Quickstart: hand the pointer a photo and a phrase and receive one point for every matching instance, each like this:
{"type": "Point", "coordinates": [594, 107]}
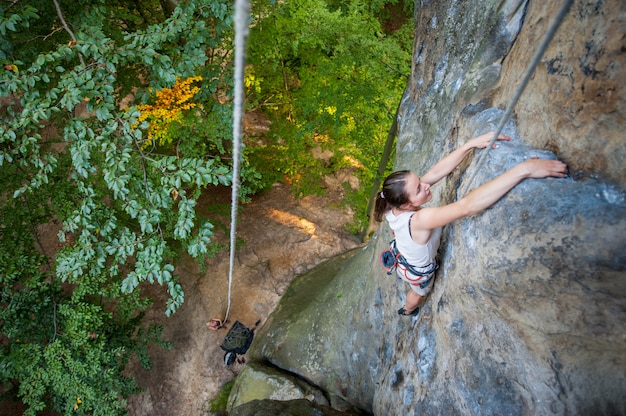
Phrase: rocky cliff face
{"type": "Point", "coordinates": [528, 314]}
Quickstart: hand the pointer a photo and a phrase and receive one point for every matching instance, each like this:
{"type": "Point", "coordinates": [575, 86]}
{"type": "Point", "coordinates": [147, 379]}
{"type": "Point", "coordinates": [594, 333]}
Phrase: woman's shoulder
{"type": "Point", "coordinates": [391, 216]}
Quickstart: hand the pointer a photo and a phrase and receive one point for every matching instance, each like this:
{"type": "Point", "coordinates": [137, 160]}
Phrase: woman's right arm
{"type": "Point", "coordinates": [487, 194]}
{"type": "Point", "coordinates": [452, 160]}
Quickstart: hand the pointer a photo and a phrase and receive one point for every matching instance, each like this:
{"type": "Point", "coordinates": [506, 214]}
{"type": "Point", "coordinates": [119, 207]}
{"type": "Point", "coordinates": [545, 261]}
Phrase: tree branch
{"type": "Point", "coordinates": [67, 28]}
{"type": "Point", "coordinates": [12, 4]}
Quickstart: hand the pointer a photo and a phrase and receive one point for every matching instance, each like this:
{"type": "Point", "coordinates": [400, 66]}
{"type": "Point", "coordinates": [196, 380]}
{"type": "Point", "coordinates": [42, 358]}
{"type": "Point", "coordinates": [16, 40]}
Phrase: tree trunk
{"type": "Point", "coordinates": [384, 161]}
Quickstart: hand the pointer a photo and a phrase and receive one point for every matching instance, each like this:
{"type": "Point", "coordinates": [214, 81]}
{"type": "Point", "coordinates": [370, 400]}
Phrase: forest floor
{"type": "Point", "coordinates": [281, 238]}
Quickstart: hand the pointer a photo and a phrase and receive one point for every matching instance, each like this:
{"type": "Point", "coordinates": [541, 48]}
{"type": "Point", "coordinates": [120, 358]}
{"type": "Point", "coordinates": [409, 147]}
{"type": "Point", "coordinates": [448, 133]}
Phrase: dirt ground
{"type": "Point", "coordinates": [282, 238]}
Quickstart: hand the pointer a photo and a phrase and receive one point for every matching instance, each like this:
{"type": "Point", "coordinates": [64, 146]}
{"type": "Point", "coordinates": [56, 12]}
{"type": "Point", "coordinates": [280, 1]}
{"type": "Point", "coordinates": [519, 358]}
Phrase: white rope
{"type": "Point", "coordinates": [242, 8]}
{"type": "Point", "coordinates": [529, 72]}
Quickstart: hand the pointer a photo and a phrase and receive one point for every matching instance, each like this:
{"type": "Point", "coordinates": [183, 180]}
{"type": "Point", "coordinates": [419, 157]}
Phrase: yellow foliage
{"type": "Point", "coordinates": [332, 110]}
{"type": "Point", "coordinates": [252, 82]}
{"type": "Point", "coordinates": [167, 109]}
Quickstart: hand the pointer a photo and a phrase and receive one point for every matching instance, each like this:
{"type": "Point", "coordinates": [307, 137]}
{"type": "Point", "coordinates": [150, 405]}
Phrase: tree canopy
{"type": "Point", "coordinates": [330, 75]}
{"type": "Point", "coordinates": [75, 151]}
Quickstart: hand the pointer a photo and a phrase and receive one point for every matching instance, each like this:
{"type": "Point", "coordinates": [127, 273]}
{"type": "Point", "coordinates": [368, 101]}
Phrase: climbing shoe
{"type": "Point", "coordinates": [402, 311]}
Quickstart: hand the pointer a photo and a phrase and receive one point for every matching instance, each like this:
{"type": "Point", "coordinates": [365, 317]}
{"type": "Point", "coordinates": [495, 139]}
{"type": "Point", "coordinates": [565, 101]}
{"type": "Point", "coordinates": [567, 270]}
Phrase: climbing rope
{"type": "Point", "coordinates": [531, 69]}
{"type": "Point", "coordinates": [242, 8]}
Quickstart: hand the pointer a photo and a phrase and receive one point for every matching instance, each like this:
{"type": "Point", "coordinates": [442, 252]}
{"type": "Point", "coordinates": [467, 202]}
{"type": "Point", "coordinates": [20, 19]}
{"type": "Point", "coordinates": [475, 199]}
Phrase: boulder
{"type": "Point", "coordinates": [258, 381]}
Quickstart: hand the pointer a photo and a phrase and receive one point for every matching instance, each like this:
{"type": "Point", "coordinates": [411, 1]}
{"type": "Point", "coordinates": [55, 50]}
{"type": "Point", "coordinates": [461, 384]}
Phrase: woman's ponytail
{"type": "Point", "coordinates": [393, 194]}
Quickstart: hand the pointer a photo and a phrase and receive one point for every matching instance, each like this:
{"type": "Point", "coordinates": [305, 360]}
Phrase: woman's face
{"type": "Point", "coordinates": [418, 193]}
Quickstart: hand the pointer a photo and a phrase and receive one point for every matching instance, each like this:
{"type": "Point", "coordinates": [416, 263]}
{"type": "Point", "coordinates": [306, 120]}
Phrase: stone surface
{"type": "Point", "coordinates": [308, 331]}
{"type": "Point", "coordinates": [262, 382]}
{"type": "Point", "coordinates": [528, 313]}
{"type": "Point", "coordinates": [575, 103]}
{"type": "Point", "coordinates": [299, 407]}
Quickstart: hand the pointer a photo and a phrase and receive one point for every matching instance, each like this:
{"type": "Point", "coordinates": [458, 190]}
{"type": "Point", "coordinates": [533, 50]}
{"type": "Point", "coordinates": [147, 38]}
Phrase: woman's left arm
{"type": "Point", "coordinates": [452, 160]}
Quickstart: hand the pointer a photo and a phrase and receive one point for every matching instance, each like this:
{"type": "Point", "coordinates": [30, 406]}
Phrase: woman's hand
{"type": "Point", "coordinates": [542, 168]}
{"type": "Point", "coordinates": [482, 141]}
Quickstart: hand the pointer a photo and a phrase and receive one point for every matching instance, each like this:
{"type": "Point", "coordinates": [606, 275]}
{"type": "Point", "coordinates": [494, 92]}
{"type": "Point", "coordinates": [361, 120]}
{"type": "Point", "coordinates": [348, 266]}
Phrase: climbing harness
{"type": "Point", "coordinates": [529, 72]}
{"type": "Point", "coordinates": [391, 259]}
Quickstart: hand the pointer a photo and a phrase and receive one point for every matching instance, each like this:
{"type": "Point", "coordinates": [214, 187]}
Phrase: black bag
{"type": "Point", "coordinates": [238, 339]}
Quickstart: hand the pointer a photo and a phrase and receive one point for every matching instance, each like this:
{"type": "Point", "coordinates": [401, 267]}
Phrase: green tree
{"type": "Point", "coordinates": [330, 75]}
{"type": "Point", "coordinates": [72, 153]}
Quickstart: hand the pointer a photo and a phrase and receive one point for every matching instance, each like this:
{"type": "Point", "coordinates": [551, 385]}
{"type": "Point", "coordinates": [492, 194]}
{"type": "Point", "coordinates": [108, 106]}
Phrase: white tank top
{"type": "Point", "coordinates": [421, 256]}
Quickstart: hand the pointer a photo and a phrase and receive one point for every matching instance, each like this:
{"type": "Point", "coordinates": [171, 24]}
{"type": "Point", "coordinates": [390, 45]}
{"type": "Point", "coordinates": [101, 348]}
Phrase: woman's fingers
{"type": "Point", "coordinates": [483, 140]}
{"type": "Point", "coordinates": [560, 169]}
{"type": "Point", "coordinates": [541, 168]}
{"type": "Point", "coordinates": [500, 137]}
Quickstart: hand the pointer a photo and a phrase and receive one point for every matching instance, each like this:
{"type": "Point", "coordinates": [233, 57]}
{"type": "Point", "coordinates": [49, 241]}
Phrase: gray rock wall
{"type": "Point", "coordinates": [528, 314]}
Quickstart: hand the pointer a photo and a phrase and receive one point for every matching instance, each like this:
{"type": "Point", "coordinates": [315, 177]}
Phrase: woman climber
{"type": "Point", "coordinates": [418, 230]}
